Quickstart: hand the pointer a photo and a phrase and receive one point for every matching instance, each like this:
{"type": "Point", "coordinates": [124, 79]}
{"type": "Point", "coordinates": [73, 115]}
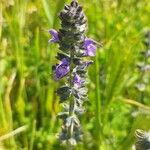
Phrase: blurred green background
{"type": "Point", "coordinates": [28, 102]}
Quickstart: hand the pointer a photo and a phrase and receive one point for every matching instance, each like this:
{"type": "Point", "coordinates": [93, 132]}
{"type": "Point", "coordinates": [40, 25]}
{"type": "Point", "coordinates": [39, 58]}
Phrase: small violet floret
{"type": "Point", "coordinates": [89, 47]}
{"type": "Point", "coordinates": [77, 80]}
{"type": "Point", "coordinates": [54, 34]}
{"type": "Point", "coordinates": [62, 69]}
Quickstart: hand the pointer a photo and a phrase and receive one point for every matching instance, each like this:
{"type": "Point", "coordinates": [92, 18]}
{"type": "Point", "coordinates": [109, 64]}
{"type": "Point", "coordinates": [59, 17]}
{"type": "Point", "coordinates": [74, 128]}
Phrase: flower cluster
{"type": "Point", "coordinates": [144, 68]}
{"type": "Point", "coordinates": [74, 48]}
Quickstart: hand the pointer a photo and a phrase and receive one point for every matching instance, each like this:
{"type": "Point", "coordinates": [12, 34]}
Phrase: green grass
{"type": "Point", "coordinates": [27, 89]}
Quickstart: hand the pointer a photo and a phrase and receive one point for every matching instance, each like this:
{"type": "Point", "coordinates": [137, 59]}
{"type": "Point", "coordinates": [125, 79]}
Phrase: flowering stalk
{"type": "Point", "coordinates": [143, 138]}
{"type": "Point", "coordinates": [144, 68]}
{"type": "Point", "coordinates": [74, 48]}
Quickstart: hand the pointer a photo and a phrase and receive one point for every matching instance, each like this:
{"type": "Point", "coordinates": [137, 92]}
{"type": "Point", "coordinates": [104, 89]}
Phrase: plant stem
{"type": "Point", "coordinates": [71, 102]}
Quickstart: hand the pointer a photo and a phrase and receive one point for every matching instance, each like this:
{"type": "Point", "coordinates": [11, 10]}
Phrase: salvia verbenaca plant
{"type": "Point", "coordinates": [143, 140]}
{"type": "Point", "coordinates": [75, 48]}
{"type": "Point", "coordinates": [144, 68]}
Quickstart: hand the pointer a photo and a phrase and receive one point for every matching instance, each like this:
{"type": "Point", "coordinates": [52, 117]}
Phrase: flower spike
{"type": "Point", "coordinates": [73, 46]}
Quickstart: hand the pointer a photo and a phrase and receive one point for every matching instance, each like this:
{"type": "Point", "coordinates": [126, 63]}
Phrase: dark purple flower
{"type": "Point", "coordinates": [62, 69]}
{"type": "Point", "coordinates": [77, 80]}
{"type": "Point", "coordinates": [54, 34]}
{"type": "Point", "coordinates": [89, 47]}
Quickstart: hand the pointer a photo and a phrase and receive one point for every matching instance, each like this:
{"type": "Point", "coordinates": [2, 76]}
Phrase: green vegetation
{"type": "Point", "coordinates": [28, 102]}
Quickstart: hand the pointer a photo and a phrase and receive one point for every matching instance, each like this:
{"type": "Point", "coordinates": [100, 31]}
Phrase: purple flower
{"type": "Point", "coordinates": [89, 47]}
{"type": "Point", "coordinates": [62, 69]}
{"type": "Point", "coordinates": [77, 80]}
{"type": "Point", "coordinates": [54, 34]}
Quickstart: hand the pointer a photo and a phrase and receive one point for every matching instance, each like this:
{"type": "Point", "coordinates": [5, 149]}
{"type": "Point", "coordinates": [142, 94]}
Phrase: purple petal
{"type": "Point", "coordinates": [65, 61]}
{"type": "Point", "coordinates": [62, 69]}
{"type": "Point", "coordinates": [89, 47]}
{"type": "Point", "coordinates": [77, 80]}
{"type": "Point", "coordinates": [54, 34]}
{"type": "Point", "coordinates": [88, 41]}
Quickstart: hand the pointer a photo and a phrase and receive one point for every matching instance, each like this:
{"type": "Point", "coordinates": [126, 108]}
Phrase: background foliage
{"type": "Point", "coordinates": [27, 89]}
